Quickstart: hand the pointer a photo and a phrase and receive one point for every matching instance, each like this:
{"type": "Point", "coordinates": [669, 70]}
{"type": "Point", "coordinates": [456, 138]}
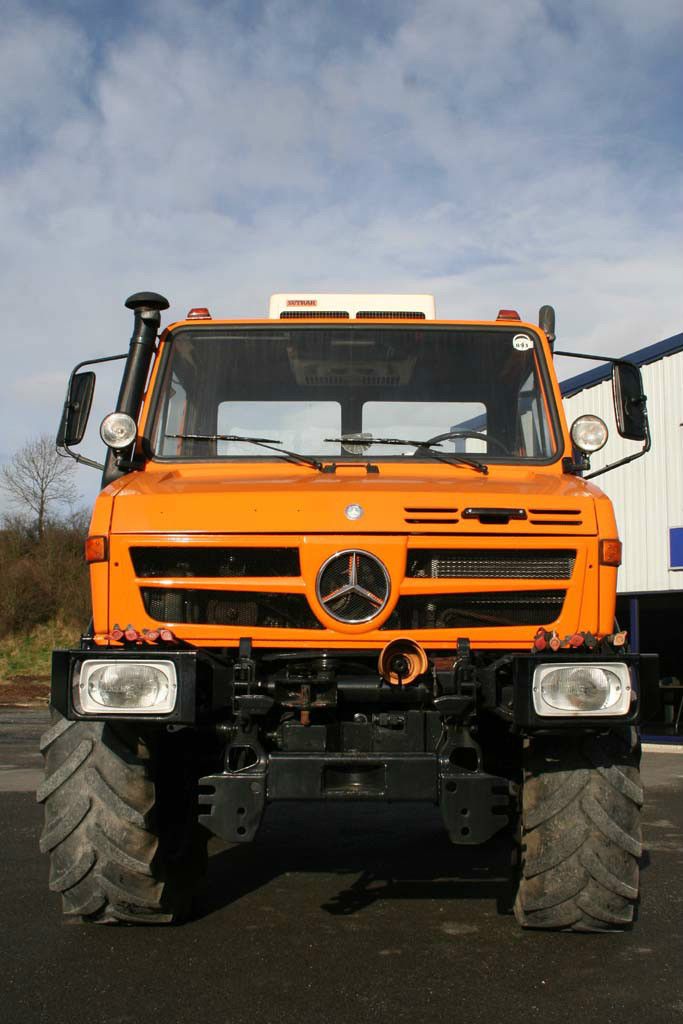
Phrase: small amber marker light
{"type": "Point", "coordinates": [610, 552]}
{"type": "Point", "coordinates": [199, 313]}
{"type": "Point", "coordinates": [96, 549]}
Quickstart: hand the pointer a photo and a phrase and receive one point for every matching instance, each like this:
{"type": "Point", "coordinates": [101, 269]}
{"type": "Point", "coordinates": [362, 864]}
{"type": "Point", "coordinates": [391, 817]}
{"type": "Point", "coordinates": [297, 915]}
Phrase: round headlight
{"type": "Point", "coordinates": [580, 688]}
{"type": "Point", "coordinates": [589, 433]}
{"type": "Point", "coordinates": [118, 430]}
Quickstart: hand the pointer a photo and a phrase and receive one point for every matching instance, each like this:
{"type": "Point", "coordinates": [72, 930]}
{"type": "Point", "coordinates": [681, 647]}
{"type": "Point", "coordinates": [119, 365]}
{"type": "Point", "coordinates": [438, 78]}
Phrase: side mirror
{"type": "Point", "coordinates": [76, 409]}
{"type": "Point", "coordinates": [629, 401]}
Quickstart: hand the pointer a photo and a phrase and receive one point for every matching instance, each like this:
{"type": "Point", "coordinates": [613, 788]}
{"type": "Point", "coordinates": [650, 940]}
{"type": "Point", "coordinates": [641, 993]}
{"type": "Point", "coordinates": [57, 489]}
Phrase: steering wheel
{"type": "Point", "coordinates": [466, 433]}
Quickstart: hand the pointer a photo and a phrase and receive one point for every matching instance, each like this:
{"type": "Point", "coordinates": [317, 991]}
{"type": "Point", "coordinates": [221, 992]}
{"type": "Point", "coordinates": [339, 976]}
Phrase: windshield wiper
{"type": "Point", "coordinates": [263, 442]}
{"type": "Point", "coordinates": [428, 446]}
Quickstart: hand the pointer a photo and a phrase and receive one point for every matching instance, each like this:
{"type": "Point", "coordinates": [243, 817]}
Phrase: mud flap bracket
{"type": "Point", "coordinates": [234, 803]}
{"type": "Point", "coordinates": [474, 807]}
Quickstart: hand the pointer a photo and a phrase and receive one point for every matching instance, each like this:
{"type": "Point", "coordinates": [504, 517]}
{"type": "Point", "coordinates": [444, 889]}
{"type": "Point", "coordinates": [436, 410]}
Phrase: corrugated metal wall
{"type": "Point", "coordinates": [648, 493]}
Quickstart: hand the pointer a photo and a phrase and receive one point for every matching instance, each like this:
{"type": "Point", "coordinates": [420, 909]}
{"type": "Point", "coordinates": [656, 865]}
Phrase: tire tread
{"type": "Point", "coordinates": [581, 836]}
{"type": "Point", "coordinates": [102, 831]}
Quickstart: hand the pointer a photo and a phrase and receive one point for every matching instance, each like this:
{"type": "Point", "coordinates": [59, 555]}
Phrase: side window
{"type": "Point", "coordinates": [173, 420]}
{"type": "Point", "coordinates": [533, 427]}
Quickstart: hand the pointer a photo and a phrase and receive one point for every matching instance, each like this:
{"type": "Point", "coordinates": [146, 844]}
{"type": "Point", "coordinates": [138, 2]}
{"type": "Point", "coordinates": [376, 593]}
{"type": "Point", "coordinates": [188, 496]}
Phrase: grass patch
{"type": "Point", "coordinates": [30, 654]}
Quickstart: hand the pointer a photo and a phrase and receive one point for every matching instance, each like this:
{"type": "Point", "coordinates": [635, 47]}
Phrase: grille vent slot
{"type": "Point", "coordinates": [486, 564]}
{"type": "Point", "coordinates": [229, 608]}
{"type": "Point", "coordinates": [337, 380]}
{"type": "Point", "coordinates": [430, 515]}
{"type": "Point", "coordinates": [468, 611]}
{"type": "Point", "coordinates": [150, 562]}
{"type": "Point", "coordinates": [392, 314]}
{"type": "Point", "coordinates": [314, 314]}
{"type": "Point", "coordinates": [555, 517]}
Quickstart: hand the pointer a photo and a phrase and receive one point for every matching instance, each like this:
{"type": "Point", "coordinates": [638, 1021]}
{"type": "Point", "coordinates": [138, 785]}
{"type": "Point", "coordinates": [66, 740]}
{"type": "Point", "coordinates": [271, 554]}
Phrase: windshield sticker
{"type": "Point", "coordinates": [522, 342]}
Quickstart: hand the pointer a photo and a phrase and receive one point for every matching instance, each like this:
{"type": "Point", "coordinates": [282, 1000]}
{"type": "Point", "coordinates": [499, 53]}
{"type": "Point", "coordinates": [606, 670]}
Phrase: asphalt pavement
{"type": "Point", "coordinates": [336, 915]}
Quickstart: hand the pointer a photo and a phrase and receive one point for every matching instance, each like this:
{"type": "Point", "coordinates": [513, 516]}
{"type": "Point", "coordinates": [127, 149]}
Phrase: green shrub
{"type": "Point", "coordinates": [44, 580]}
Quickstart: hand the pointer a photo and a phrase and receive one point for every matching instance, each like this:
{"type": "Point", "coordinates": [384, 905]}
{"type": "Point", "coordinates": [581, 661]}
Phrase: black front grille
{"type": "Point", "coordinates": [175, 561]}
{"type": "Point", "coordinates": [447, 563]}
{"type": "Point", "coordinates": [229, 608]}
{"type": "Point", "coordinates": [462, 611]}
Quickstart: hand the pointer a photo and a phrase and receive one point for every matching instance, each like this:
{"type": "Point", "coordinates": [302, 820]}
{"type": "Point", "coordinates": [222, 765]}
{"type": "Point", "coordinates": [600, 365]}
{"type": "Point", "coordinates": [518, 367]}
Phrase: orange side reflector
{"type": "Point", "coordinates": [96, 549]}
{"type": "Point", "coordinates": [610, 552]}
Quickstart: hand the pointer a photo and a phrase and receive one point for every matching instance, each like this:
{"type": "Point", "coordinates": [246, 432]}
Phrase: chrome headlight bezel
{"type": "Point", "coordinates": [617, 704]}
{"type": "Point", "coordinates": [85, 704]}
{"type": "Point", "coordinates": [118, 430]}
{"type": "Point", "coordinates": [589, 433]}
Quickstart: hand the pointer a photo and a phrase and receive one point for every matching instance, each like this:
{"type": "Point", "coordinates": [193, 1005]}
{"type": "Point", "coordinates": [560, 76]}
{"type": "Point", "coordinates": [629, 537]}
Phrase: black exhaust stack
{"type": "Point", "coordinates": [147, 307]}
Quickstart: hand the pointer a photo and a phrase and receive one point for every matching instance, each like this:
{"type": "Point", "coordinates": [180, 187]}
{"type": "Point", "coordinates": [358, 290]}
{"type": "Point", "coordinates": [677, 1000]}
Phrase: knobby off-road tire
{"type": "Point", "coordinates": [581, 836]}
{"type": "Point", "coordinates": [120, 825]}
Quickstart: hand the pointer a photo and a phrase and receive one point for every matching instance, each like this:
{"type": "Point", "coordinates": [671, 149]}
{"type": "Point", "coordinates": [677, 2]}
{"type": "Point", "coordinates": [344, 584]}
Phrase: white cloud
{"type": "Point", "coordinates": [497, 154]}
{"type": "Point", "coordinates": [44, 67]}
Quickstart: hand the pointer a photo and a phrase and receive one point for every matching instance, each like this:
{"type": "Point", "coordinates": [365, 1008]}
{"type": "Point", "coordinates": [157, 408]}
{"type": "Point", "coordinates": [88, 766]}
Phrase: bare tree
{"type": "Point", "coordinates": [39, 481]}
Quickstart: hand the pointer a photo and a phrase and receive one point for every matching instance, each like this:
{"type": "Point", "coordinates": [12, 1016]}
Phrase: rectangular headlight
{"type": "Point", "coordinates": [124, 687]}
{"type": "Point", "coordinates": [593, 688]}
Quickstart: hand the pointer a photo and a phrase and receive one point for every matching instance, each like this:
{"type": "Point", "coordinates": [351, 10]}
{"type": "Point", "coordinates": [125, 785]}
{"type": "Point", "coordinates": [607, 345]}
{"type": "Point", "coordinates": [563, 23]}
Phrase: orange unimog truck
{"type": "Point", "coordinates": [346, 553]}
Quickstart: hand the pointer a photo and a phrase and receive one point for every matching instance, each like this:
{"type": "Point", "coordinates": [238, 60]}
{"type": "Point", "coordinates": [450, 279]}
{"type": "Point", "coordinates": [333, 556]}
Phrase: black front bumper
{"type": "Point", "coordinates": [474, 805]}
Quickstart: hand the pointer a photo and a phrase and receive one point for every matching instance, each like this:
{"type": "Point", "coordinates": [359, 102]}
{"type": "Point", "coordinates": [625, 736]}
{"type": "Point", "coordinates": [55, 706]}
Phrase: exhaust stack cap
{"type": "Point", "coordinates": [147, 300]}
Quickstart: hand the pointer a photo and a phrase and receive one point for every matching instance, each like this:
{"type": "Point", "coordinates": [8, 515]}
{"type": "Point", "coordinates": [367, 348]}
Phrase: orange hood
{"type": "Point", "coordinates": [281, 498]}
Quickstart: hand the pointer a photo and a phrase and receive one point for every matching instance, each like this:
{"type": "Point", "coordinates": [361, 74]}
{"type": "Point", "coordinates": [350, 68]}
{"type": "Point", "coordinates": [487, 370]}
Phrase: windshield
{"type": "Point", "coordinates": [330, 391]}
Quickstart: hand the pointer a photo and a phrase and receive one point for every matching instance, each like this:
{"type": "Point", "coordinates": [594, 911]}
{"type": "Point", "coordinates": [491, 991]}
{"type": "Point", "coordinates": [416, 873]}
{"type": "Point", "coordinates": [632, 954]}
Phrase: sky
{"type": "Point", "coordinates": [495, 153]}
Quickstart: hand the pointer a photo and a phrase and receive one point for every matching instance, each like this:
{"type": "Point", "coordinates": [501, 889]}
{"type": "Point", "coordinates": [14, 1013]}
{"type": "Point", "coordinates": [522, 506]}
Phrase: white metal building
{"type": "Point", "coordinates": [647, 496]}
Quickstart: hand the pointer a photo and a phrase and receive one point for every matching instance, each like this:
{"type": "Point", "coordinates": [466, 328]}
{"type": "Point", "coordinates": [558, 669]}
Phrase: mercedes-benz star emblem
{"type": "Point", "coordinates": [353, 586]}
{"type": "Point", "coordinates": [353, 511]}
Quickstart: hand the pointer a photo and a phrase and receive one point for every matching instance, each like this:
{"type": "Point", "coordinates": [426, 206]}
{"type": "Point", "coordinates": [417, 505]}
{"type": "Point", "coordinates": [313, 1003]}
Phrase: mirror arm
{"type": "Point", "coordinates": [80, 458]}
{"type": "Point", "coordinates": [101, 359]}
{"type": "Point", "coordinates": [628, 458]}
{"type": "Point", "coordinates": [584, 355]}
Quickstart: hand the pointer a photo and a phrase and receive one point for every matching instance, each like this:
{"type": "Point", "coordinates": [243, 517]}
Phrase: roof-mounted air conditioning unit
{"type": "Point", "coordinates": [318, 306]}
